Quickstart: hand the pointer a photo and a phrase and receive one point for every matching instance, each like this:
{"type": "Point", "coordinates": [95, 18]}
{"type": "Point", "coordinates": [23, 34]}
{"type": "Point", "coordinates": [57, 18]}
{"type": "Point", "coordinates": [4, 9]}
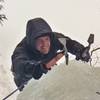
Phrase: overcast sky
{"type": "Point", "coordinates": [75, 18]}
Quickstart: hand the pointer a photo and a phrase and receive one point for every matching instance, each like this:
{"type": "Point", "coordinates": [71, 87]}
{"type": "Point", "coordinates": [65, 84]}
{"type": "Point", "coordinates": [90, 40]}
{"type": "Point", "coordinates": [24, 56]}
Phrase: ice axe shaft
{"type": "Point", "coordinates": [13, 92]}
{"type": "Point", "coordinates": [10, 94]}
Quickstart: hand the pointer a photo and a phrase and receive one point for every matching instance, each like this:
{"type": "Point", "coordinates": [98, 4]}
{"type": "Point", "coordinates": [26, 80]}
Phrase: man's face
{"type": "Point", "coordinates": [43, 44]}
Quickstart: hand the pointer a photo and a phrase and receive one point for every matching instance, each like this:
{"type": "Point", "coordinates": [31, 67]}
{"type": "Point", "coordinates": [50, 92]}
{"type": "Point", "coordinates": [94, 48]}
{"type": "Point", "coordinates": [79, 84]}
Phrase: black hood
{"type": "Point", "coordinates": [35, 28]}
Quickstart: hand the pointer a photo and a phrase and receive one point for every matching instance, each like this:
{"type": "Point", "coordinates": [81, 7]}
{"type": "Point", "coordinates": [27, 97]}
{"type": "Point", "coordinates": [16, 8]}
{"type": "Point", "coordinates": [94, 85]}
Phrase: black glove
{"type": "Point", "coordinates": [37, 69]}
{"type": "Point", "coordinates": [84, 55]}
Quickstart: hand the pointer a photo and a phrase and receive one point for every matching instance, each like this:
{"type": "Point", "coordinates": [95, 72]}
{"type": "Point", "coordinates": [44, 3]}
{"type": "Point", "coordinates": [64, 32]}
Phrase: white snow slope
{"type": "Point", "coordinates": [6, 81]}
{"type": "Point", "coordinates": [77, 81]}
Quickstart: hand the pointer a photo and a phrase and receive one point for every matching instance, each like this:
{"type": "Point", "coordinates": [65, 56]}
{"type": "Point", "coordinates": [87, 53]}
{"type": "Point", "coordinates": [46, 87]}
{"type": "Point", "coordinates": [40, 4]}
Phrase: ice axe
{"type": "Point", "coordinates": [13, 92]}
{"type": "Point", "coordinates": [86, 51]}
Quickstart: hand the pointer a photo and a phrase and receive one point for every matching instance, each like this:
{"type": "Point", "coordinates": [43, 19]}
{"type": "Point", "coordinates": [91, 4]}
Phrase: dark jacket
{"type": "Point", "coordinates": [25, 54]}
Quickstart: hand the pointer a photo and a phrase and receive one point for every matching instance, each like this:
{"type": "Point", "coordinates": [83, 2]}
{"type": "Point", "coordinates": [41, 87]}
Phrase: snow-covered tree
{"type": "Point", "coordinates": [2, 16]}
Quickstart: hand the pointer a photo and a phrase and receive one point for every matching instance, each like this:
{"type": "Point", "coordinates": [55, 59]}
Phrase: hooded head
{"type": "Point", "coordinates": [37, 27]}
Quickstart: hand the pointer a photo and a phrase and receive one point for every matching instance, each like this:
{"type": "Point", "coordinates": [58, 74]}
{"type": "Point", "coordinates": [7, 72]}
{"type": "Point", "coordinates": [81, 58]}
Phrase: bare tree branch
{"type": "Point", "coordinates": [2, 17]}
{"type": "Point", "coordinates": [96, 56]}
{"type": "Point", "coordinates": [94, 50]}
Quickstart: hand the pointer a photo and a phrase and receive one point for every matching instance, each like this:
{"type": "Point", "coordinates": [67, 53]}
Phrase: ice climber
{"type": "Point", "coordinates": [39, 50]}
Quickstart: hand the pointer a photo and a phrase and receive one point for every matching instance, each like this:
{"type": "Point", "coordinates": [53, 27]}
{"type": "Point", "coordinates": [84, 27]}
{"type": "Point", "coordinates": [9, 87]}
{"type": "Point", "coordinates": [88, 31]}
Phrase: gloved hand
{"type": "Point", "coordinates": [84, 55]}
{"type": "Point", "coordinates": [38, 69]}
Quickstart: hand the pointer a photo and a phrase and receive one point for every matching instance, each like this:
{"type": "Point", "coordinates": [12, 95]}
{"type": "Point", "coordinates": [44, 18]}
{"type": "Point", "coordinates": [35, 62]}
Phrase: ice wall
{"type": "Point", "coordinates": [77, 81]}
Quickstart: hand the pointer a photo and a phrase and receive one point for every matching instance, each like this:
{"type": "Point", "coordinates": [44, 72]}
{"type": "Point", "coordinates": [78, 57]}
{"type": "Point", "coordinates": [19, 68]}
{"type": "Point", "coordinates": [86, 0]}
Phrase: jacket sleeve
{"type": "Point", "coordinates": [74, 47]}
{"type": "Point", "coordinates": [22, 65]}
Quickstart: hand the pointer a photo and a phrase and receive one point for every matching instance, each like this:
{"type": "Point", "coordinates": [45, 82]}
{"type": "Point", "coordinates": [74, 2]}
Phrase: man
{"type": "Point", "coordinates": [38, 52]}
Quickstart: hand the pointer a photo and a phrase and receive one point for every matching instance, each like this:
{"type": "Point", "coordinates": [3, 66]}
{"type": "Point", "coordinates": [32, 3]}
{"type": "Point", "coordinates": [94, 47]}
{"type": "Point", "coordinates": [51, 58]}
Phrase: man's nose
{"type": "Point", "coordinates": [44, 43]}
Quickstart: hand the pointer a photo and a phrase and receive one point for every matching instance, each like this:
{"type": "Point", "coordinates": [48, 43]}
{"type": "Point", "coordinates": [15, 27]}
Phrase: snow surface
{"type": "Point", "coordinates": [6, 81]}
{"type": "Point", "coordinates": [77, 81]}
